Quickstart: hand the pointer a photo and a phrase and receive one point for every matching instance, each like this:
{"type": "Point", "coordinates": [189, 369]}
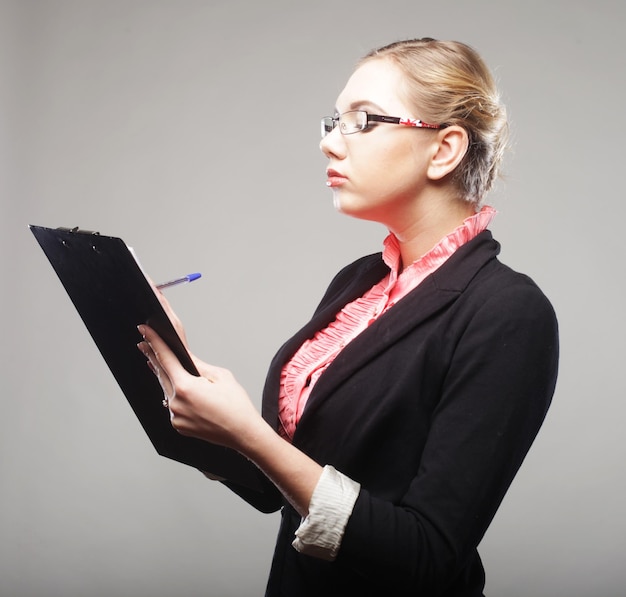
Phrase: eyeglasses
{"type": "Point", "coordinates": [358, 120]}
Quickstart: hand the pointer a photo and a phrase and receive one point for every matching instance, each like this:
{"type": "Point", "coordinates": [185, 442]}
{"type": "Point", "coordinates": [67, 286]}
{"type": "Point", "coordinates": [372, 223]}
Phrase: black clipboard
{"type": "Point", "coordinates": [112, 296]}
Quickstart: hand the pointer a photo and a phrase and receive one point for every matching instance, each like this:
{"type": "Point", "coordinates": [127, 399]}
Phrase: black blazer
{"type": "Point", "coordinates": [432, 409]}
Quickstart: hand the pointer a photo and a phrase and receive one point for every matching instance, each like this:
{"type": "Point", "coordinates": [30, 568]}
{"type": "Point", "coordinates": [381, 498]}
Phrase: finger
{"type": "Point", "coordinates": [155, 366]}
{"type": "Point", "coordinates": [165, 357]}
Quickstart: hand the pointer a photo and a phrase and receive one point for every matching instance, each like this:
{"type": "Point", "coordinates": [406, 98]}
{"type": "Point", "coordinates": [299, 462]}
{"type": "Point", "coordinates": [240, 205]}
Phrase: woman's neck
{"type": "Point", "coordinates": [428, 226]}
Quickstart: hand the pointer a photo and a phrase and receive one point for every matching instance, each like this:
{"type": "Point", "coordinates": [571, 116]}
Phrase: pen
{"type": "Point", "coordinates": [182, 280]}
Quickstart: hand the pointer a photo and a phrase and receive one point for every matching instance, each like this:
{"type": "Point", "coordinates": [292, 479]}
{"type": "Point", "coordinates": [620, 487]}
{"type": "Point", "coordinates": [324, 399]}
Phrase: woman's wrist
{"type": "Point", "coordinates": [293, 472]}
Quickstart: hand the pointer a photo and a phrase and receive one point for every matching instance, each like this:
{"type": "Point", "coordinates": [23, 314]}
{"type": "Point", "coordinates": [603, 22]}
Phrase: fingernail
{"type": "Point", "coordinates": [142, 330]}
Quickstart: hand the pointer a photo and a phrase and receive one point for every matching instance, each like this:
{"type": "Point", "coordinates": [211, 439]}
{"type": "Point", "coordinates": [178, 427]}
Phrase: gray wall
{"type": "Point", "coordinates": [190, 129]}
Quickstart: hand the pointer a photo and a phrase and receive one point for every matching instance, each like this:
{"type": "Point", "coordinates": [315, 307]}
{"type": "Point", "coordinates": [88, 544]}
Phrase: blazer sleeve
{"type": "Point", "coordinates": [494, 398]}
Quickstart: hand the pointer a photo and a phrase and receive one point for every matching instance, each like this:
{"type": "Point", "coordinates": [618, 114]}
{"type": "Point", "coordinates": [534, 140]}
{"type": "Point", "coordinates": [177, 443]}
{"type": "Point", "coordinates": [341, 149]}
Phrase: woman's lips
{"type": "Point", "coordinates": [334, 178]}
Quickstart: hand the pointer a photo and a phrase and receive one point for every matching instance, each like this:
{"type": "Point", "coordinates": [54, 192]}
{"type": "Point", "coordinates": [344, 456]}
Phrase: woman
{"type": "Point", "coordinates": [395, 420]}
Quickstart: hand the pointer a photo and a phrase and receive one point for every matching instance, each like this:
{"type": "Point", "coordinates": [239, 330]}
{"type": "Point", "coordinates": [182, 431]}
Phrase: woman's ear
{"type": "Point", "coordinates": [452, 147]}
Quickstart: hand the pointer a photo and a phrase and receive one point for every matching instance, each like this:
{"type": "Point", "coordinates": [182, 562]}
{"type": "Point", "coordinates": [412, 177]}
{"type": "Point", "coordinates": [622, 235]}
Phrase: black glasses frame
{"type": "Point", "coordinates": [330, 122]}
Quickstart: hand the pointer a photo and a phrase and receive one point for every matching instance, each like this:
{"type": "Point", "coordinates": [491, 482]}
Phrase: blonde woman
{"type": "Point", "coordinates": [395, 420]}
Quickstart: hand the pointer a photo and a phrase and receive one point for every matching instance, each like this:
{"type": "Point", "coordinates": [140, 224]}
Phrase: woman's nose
{"type": "Point", "coordinates": [333, 144]}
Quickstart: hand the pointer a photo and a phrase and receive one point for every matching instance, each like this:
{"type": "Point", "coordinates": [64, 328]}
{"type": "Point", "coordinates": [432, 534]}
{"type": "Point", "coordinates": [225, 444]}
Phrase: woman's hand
{"type": "Point", "coordinates": [212, 407]}
{"type": "Point", "coordinates": [215, 408]}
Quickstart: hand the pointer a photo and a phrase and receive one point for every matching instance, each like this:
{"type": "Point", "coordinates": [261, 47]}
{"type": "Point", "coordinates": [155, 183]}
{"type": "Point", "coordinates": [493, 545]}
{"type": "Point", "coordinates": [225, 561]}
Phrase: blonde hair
{"type": "Point", "coordinates": [449, 84]}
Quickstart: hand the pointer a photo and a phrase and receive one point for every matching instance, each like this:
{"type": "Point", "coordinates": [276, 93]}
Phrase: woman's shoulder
{"type": "Point", "coordinates": [500, 293]}
{"type": "Point", "coordinates": [484, 284]}
{"type": "Point", "coordinates": [498, 277]}
{"type": "Point", "coordinates": [476, 269]}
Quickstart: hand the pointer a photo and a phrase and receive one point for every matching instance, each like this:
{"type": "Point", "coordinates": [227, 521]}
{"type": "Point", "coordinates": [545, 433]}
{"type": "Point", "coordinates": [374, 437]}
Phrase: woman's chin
{"type": "Point", "coordinates": [353, 210]}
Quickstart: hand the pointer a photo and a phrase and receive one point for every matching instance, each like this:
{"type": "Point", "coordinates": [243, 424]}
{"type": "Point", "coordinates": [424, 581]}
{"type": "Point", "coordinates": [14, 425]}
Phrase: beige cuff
{"type": "Point", "coordinates": [320, 533]}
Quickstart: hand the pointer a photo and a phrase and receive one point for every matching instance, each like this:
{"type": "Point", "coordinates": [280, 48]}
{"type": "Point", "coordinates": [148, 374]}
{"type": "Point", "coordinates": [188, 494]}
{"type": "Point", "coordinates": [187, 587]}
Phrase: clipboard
{"type": "Point", "coordinates": [112, 296]}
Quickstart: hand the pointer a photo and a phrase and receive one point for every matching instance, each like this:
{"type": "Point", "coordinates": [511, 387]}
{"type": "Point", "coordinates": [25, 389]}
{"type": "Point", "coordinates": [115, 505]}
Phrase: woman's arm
{"type": "Point", "coordinates": [215, 408]}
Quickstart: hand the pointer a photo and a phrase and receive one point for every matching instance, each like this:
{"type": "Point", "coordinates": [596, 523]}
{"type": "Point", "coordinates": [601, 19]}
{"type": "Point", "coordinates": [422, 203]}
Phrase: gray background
{"type": "Point", "coordinates": [190, 129]}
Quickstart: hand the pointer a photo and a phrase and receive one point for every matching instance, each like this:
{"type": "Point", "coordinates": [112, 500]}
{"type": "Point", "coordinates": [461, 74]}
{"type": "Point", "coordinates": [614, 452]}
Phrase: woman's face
{"type": "Point", "coordinates": [378, 174]}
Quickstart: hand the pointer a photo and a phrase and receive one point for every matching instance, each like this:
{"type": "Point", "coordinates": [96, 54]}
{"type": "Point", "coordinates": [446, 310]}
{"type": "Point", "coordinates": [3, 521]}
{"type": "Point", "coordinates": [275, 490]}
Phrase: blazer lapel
{"type": "Point", "coordinates": [436, 292]}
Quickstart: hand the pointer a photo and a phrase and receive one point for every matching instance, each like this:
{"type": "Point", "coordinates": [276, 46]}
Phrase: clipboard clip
{"type": "Point", "coordinates": [77, 230]}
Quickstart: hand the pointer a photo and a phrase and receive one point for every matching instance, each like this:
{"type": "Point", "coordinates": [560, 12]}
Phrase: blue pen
{"type": "Point", "coordinates": [183, 280]}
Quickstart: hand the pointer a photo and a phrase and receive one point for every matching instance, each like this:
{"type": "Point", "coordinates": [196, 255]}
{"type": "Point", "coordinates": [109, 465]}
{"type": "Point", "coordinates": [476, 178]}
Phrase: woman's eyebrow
{"type": "Point", "coordinates": [363, 105]}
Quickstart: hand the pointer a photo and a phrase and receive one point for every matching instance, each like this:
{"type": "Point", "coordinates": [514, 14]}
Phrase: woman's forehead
{"type": "Point", "coordinates": [375, 84]}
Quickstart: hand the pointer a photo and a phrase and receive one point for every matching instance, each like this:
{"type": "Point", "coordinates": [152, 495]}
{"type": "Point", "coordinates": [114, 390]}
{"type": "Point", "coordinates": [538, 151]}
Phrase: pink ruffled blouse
{"type": "Point", "coordinates": [300, 374]}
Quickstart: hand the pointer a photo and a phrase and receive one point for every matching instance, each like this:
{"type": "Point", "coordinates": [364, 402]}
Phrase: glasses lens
{"type": "Point", "coordinates": [328, 124]}
{"type": "Point", "coordinates": [353, 122]}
